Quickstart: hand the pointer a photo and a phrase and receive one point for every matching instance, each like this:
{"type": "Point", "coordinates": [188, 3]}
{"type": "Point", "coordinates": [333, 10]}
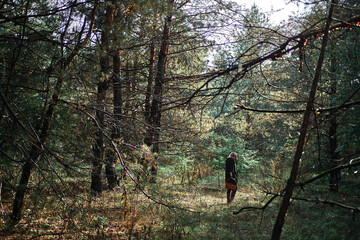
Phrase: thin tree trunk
{"type": "Point", "coordinates": [150, 83]}
{"type": "Point", "coordinates": [103, 85]}
{"type": "Point", "coordinates": [117, 100]}
{"type": "Point", "coordinates": [148, 137]}
{"type": "Point", "coordinates": [127, 87]}
{"type": "Point", "coordinates": [158, 88]}
{"type": "Point", "coordinates": [334, 158]}
{"type": "Point", "coordinates": [334, 177]}
{"type": "Point", "coordinates": [301, 142]}
{"type": "Point", "coordinates": [110, 170]}
{"type": "Point", "coordinates": [99, 146]}
{"type": "Point", "coordinates": [15, 57]}
{"type": "Point", "coordinates": [45, 128]}
{"type": "Point", "coordinates": [134, 83]}
{"type": "Point", "coordinates": [154, 133]}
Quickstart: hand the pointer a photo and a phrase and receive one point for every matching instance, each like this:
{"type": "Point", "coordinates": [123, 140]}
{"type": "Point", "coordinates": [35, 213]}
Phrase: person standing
{"type": "Point", "coordinates": [231, 174]}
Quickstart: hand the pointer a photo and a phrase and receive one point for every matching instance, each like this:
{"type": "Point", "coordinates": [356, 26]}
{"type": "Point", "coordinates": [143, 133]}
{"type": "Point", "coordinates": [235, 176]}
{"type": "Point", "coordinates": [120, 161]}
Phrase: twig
{"type": "Point", "coordinates": [125, 167]}
{"type": "Point", "coordinates": [318, 111]}
{"type": "Point", "coordinates": [47, 234]}
{"type": "Point", "coordinates": [257, 208]}
{"type": "Point", "coordinates": [353, 163]}
{"type": "Point", "coordinates": [317, 200]}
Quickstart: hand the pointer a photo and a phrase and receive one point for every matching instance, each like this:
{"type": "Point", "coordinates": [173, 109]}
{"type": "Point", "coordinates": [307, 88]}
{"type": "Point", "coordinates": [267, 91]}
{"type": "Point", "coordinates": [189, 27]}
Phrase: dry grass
{"type": "Point", "coordinates": [186, 212]}
{"type": "Point", "coordinates": [122, 214]}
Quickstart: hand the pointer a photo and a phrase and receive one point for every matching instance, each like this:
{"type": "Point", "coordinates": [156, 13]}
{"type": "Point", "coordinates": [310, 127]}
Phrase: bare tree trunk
{"type": "Point", "coordinates": [110, 171]}
{"type": "Point", "coordinates": [150, 83]}
{"type": "Point", "coordinates": [334, 158]}
{"type": "Point", "coordinates": [25, 176]}
{"type": "Point", "coordinates": [15, 57]}
{"type": "Point", "coordinates": [134, 105]}
{"type": "Point", "coordinates": [153, 135]}
{"type": "Point", "coordinates": [103, 85]}
{"type": "Point", "coordinates": [36, 149]}
{"type": "Point", "coordinates": [159, 82]}
{"type": "Point", "coordinates": [117, 100]}
{"type": "Point", "coordinates": [334, 177]}
{"type": "Point", "coordinates": [99, 146]}
{"type": "Point", "coordinates": [127, 87]}
{"type": "Point", "coordinates": [148, 137]}
{"type": "Point", "coordinates": [301, 142]}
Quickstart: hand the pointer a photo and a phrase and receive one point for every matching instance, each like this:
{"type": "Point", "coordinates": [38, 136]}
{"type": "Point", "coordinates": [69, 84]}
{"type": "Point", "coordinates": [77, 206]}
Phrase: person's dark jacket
{"type": "Point", "coordinates": [230, 167]}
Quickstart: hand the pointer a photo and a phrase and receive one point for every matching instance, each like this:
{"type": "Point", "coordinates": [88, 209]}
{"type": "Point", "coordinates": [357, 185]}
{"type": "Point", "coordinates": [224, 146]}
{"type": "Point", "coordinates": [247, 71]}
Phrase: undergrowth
{"type": "Point", "coordinates": [196, 210]}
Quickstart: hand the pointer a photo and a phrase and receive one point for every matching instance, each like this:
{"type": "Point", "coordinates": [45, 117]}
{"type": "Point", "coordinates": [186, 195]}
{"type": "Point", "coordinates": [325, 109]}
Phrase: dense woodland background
{"type": "Point", "coordinates": [116, 118]}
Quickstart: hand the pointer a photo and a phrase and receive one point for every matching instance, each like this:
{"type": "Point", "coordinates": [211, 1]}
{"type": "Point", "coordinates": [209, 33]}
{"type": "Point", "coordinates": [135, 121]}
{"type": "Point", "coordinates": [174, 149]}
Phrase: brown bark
{"type": "Point", "coordinates": [127, 87]}
{"type": "Point", "coordinates": [99, 146]}
{"type": "Point", "coordinates": [148, 137]}
{"type": "Point", "coordinates": [36, 149]}
{"type": "Point", "coordinates": [134, 83]}
{"type": "Point", "coordinates": [153, 134]}
{"type": "Point", "coordinates": [117, 100]}
{"type": "Point", "coordinates": [301, 142]}
{"type": "Point", "coordinates": [110, 171]}
{"type": "Point", "coordinates": [158, 87]}
{"type": "Point", "coordinates": [149, 85]}
{"type": "Point", "coordinates": [103, 85]}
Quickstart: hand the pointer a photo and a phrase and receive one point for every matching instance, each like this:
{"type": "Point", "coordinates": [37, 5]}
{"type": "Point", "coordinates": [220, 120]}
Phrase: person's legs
{"type": "Point", "coordinates": [228, 194]}
{"type": "Point", "coordinates": [232, 196]}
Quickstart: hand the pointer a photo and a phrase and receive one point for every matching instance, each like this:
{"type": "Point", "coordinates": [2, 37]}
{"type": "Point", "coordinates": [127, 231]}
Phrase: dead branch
{"type": "Point", "coordinates": [320, 201]}
{"type": "Point", "coordinates": [352, 163]}
{"type": "Point", "coordinates": [126, 168]}
{"type": "Point", "coordinates": [318, 111]}
{"type": "Point", "coordinates": [257, 208]}
{"type": "Point", "coordinates": [283, 49]}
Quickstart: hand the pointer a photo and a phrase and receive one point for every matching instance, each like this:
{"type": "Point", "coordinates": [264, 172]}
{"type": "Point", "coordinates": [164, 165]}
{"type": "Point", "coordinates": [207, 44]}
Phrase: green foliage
{"type": "Point", "coordinates": [221, 141]}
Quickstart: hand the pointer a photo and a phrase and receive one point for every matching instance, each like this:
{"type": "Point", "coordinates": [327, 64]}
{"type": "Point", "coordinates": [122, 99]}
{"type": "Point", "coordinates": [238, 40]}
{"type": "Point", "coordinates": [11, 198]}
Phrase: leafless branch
{"type": "Point", "coordinates": [352, 163]}
{"type": "Point", "coordinates": [318, 111]}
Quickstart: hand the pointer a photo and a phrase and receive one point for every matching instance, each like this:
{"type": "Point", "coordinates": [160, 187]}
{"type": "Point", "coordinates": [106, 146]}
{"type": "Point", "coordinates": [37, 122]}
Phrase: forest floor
{"type": "Point", "coordinates": [177, 211]}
